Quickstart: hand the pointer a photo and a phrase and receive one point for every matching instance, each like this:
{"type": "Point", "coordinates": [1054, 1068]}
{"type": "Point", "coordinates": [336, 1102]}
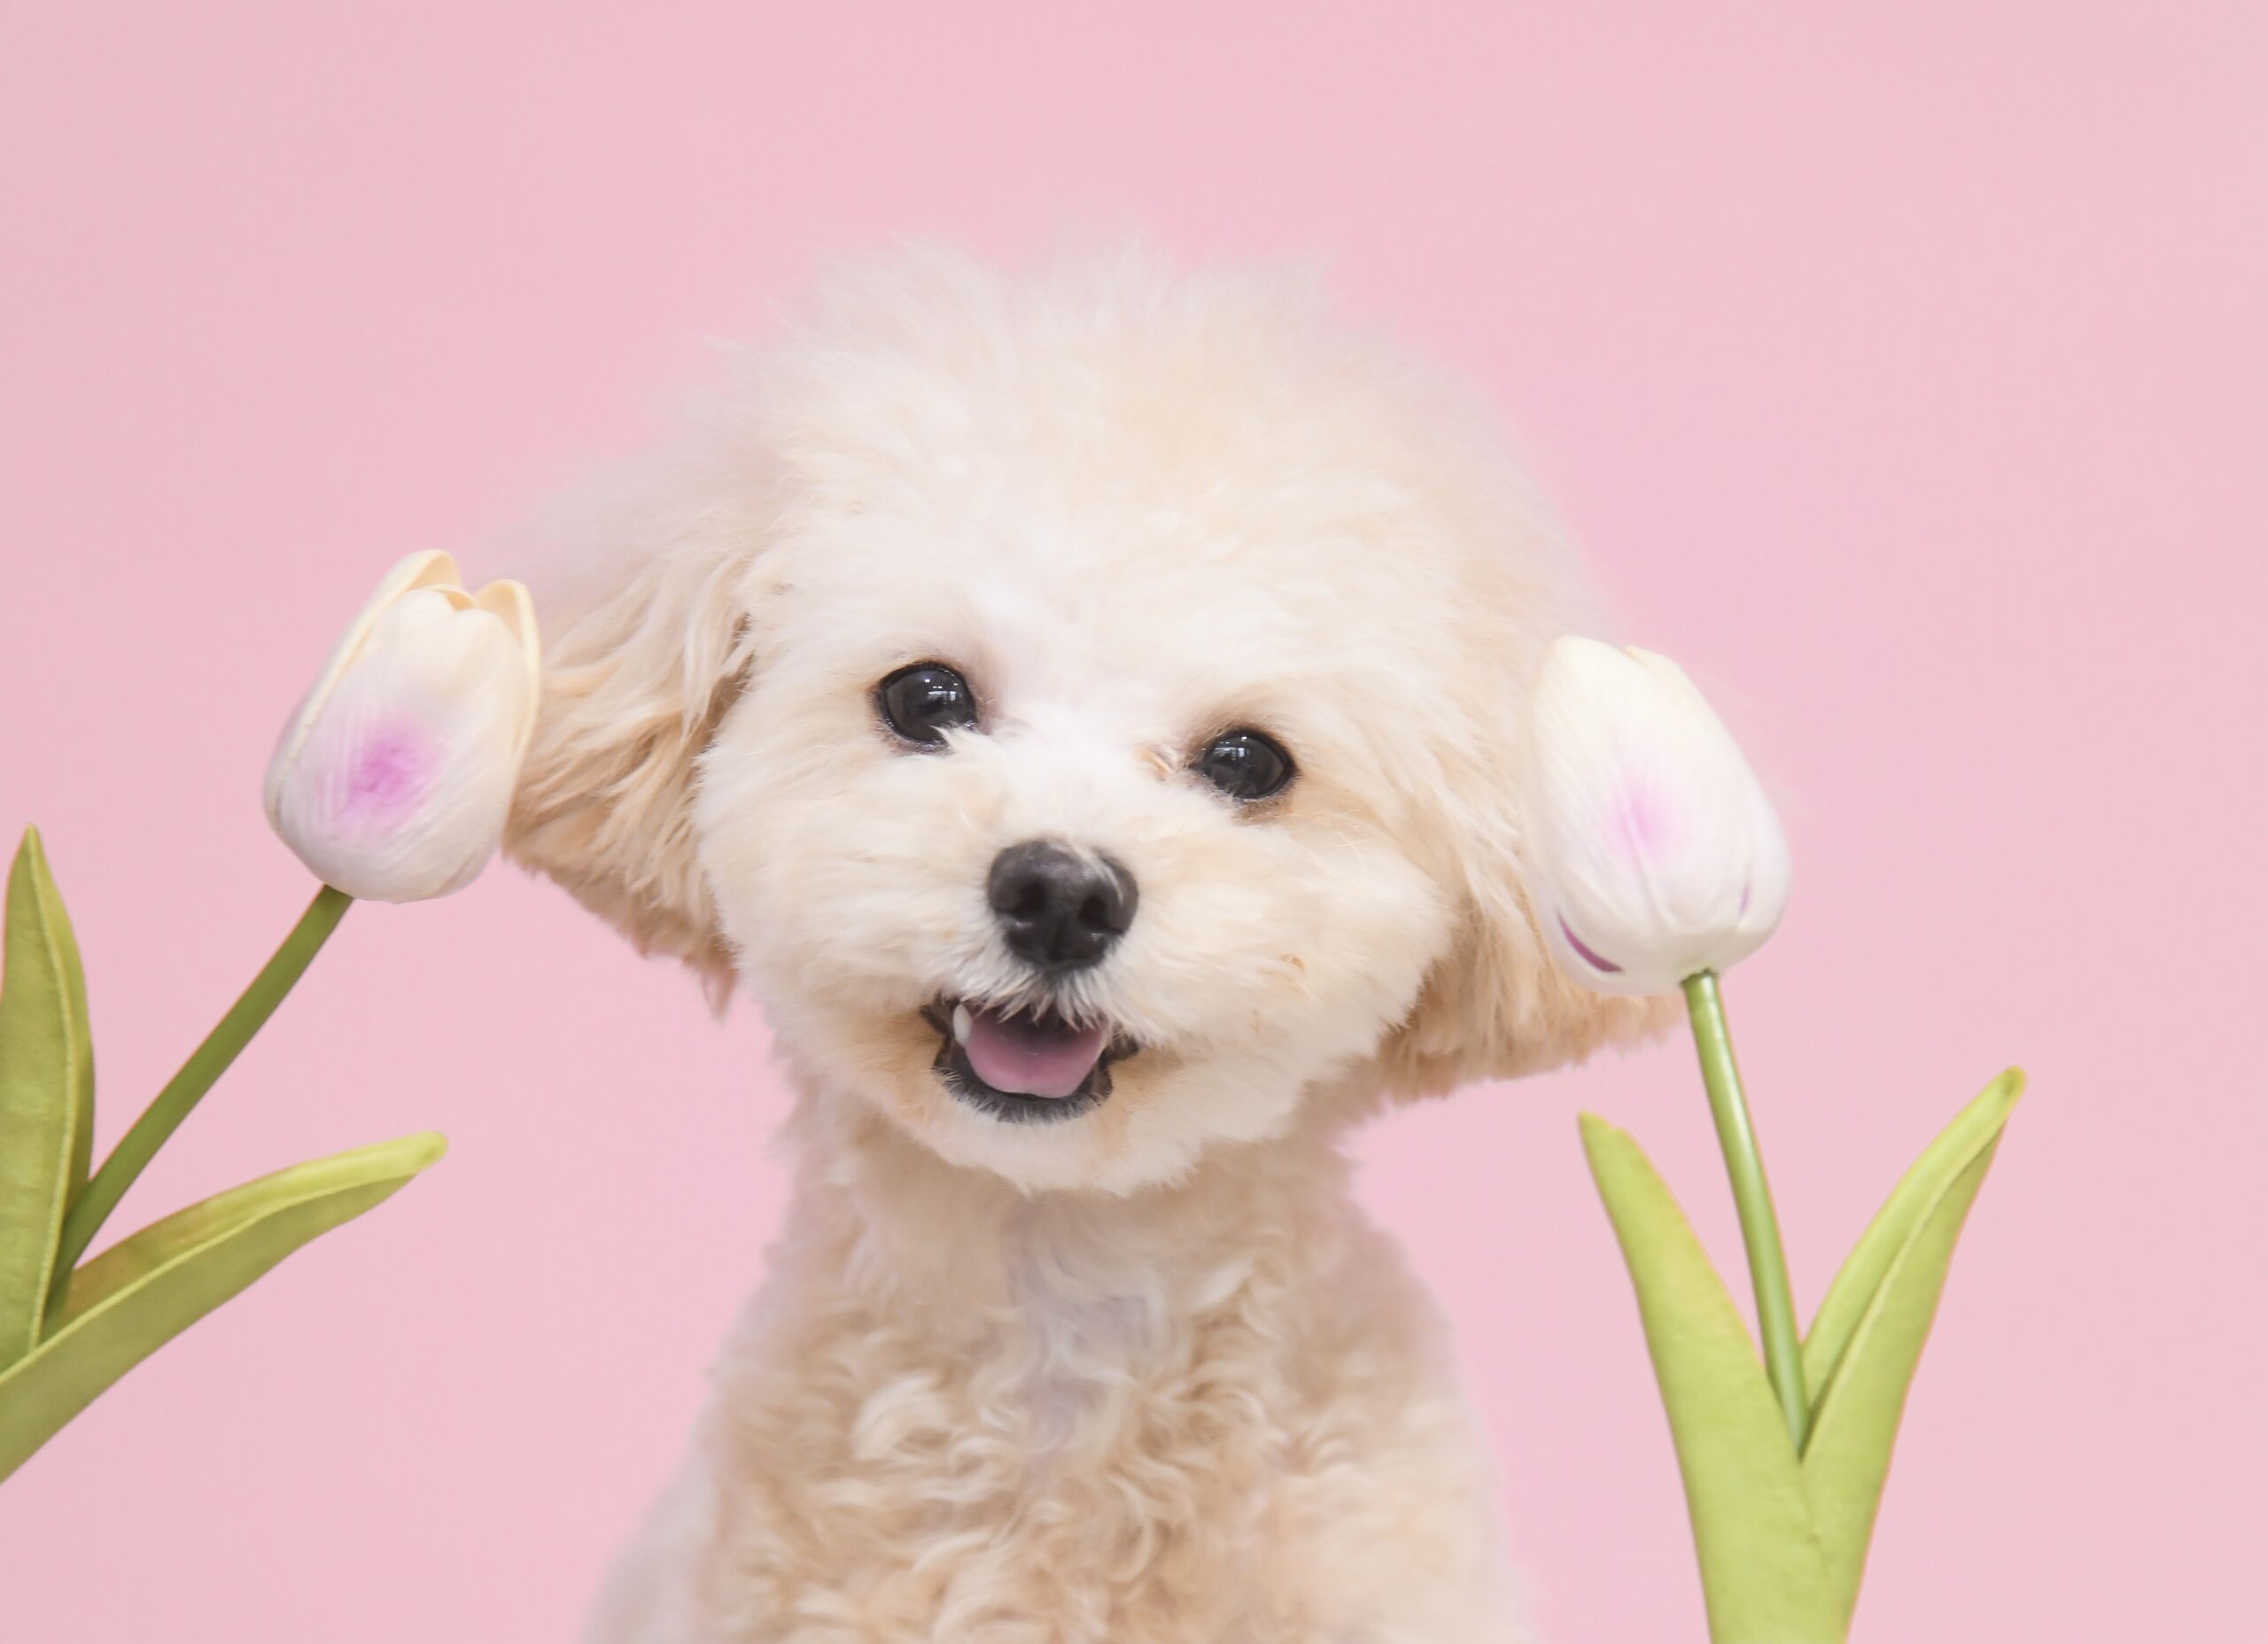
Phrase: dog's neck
{"type": "Point", "coordinates": [961, 1252]}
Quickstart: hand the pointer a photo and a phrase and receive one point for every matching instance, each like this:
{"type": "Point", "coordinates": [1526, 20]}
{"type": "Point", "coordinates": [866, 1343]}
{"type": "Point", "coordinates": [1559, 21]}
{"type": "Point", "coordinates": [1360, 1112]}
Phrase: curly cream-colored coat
{"type": "Point", "coordinates": [1146, 1374]}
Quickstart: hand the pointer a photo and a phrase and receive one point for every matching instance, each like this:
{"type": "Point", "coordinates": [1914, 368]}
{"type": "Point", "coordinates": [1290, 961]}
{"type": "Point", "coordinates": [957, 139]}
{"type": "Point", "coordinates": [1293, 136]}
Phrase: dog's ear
{"type": "Point", "coordinates": [644, 660]}
{"type": "Point", "coordinates": [1498, 1005]}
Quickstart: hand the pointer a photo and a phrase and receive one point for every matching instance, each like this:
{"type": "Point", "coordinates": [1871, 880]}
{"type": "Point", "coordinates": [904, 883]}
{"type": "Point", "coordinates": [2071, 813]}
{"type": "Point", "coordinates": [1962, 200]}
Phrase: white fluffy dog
{"type": "Point", "coordinates": [1078, 708]}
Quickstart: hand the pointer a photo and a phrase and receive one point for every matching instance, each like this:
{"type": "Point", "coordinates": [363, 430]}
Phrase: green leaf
{"type": "Point", "coordinates": [1976, 1127]}
{"type": "Point", "coordinates": [1763, 1574]}
{"type": "Point", "coordinates": [1867, 1342]}
{"type": "Point", "coordinates": [143, 1291]}
{"type": "Point", "coordinates": [47, 1094]}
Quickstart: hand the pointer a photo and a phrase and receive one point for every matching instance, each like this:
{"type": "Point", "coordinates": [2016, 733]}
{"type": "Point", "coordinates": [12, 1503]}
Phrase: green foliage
{"type": "Point", "coordinates": [1763, 1575]}
{"type": "Point", "coordinates": [139, 1294]}
{"type": "Point", "coordinates": [1782, 1539]}
{"type": "Point", "coordinates": [47, 1094]}
{"type": "Point", "coordinates": [66, 1334]}
{"type": "Point", "coordinates": [1866, 1344]}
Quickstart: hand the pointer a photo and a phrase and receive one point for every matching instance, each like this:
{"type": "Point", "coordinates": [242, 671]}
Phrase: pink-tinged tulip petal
{"type": "Point", "coordinates": [393, 780]}
{"type": "Point", "coordinates": [1651, 849]}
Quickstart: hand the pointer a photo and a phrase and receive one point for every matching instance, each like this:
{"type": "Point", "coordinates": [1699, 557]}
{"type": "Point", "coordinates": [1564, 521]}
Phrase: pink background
{"type": "Point", "coordinates": [1902, 366]}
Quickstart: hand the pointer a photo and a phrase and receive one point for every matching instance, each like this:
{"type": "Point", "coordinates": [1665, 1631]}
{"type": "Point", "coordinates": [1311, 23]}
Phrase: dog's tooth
{"type": "Point", "coordinates": [961, 1023]}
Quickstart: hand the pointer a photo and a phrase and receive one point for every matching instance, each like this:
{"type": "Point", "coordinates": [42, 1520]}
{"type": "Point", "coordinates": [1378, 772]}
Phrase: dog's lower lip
{"type": "Point", "coordinates": [956, 1022]}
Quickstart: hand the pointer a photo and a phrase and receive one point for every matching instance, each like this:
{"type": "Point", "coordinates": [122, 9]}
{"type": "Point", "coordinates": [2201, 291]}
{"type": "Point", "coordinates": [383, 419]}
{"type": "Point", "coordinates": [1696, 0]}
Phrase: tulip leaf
{"type": "Point", "coordinates": [1763, 1574]}
{"type": "Point", "coordinates": [140, 1293]}
{"type": "Point", "coordinates": [1872, 1328]}
{"type": "Point", "coordinates": [47, 1093]}
{"type": "Point", "coordinates": [1847, 1299]}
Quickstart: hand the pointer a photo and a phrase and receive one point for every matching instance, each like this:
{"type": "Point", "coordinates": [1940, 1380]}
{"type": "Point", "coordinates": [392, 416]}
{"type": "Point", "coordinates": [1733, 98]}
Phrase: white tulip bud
{"type": "Point", "coordinates": [1651, 851]}
{"type": "Point", "coordinates": [393, 780]}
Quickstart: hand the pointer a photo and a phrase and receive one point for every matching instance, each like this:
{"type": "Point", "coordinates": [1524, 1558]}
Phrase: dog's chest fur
{"type": "Point", "coordinates": [1220, 1416]}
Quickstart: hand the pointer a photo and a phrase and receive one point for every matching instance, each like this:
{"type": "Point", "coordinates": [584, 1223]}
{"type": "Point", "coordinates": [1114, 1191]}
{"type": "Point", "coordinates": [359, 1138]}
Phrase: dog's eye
{"type": "Point", "coordinates": [923, 702]}
{"type": "Point", "coordinates": [1244, 764]}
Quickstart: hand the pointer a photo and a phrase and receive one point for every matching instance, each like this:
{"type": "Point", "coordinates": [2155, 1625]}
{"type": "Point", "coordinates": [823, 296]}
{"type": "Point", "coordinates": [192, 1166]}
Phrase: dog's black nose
{"type": "Point", "coordinates": [1058, 910]}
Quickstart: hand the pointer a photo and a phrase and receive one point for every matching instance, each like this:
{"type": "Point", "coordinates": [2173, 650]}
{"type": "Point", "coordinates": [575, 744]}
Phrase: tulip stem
{"type": "Point", "coordinates": [185, 1088]}
{"type": "Point", "coordinates": [1759, 1228]}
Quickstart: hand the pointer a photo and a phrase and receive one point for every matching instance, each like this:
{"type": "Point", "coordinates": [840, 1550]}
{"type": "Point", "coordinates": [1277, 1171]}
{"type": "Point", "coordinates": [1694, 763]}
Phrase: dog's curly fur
{"type": "Point", "coordinates": [1144, 1374]}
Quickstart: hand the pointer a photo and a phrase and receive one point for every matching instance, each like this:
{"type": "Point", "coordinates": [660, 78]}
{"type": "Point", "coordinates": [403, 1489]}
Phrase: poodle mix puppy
{"type": "Point", "coordinates": [1078, 708]}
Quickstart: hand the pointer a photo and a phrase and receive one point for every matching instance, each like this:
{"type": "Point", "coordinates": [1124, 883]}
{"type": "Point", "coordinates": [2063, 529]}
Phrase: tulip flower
{"type": "Point", "coordinates": [393, 780]}
{"type": "Point", "coordinates": [1651, 847]}
{"type": "Point", "coordinates": [1655, 862]}
{"type": "Point", "coordinates": [1781, 1525]}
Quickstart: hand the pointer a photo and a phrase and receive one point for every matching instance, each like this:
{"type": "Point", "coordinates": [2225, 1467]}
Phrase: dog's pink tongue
{"type": "Point", "coordinates": [1026, 1057]}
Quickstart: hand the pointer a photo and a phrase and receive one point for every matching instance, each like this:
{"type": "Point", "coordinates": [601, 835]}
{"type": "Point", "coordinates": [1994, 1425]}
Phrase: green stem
{"type": "Point", "coordinates": [205, 1064]}
{"type": "Point", "coordinates": [1759, 1228]}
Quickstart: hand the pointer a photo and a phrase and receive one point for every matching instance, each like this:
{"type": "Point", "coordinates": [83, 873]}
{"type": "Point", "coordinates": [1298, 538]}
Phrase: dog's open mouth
{"type": "Point", "coordinates": [1025, 1066]}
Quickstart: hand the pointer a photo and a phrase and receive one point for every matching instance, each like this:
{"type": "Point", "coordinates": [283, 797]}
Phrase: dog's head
{"type": "Point", "coordinates": [1081, 710]}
